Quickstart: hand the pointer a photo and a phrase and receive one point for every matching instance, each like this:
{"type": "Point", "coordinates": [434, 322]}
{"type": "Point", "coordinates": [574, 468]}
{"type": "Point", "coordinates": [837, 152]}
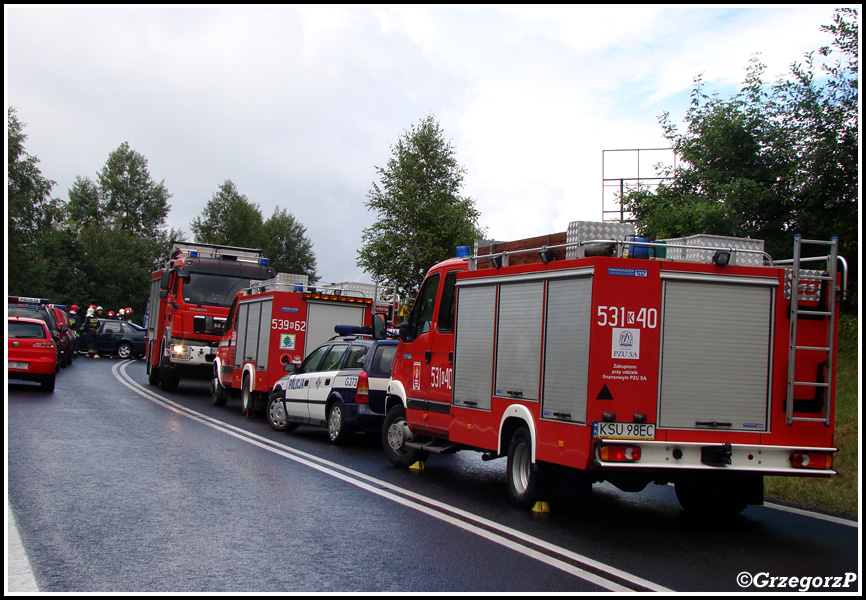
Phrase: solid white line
{"type": "Point", "coordinates": [457, 517]}
{"type": "Point", "coordinates": [814, 515]}
{"type": "Point", "coordinates": [18, 570]}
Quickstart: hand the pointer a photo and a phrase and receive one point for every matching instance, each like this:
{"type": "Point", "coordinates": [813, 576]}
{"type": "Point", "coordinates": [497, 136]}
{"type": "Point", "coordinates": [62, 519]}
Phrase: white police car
{"type": "Point", "coordinates": [341, 385]}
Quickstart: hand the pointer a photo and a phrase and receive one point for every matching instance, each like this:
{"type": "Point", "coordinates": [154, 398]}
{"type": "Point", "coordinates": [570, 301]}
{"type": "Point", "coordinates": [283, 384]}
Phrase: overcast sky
{"type": "Point", "coordinates": [299, 105]}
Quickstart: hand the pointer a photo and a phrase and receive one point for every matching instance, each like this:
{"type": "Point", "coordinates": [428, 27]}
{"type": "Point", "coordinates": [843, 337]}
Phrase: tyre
{"type": "Point", "coordinates": [718, 494]}
{"type": "Point", "coordinates": [124, 350]}
{"type": "Point", "coordinates": [168, 377]}
{"type": "Point", "coordinates": [47, 383]}
{"type": "Point", "coordinates": [338, 431]}
{"type": "Point", "coordinates": [247, 399]}
{"type": "Point", "coordinates": [395, 433]}
{"type": "Point", "coordinates": [523, 475]}
{"type": "Point", "coordinates": [276, 414]}
{"type": "Point", "coordinates": [152, 374]}
{"type": "Point", "coordinates": [218, 394]}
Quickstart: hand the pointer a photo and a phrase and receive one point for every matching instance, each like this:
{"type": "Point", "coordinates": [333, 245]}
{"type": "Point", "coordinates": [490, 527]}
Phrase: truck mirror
{"type": "Point", "coordinates": [163, 281]}
{"type": "Point", "coordinates": [163, 293]}
{"type": "Point", "coordinates": [183, 274]}
{"type": "Point", "coordinates": [404, 332]}
{"type": "Point", "coordinates": [379, 326]}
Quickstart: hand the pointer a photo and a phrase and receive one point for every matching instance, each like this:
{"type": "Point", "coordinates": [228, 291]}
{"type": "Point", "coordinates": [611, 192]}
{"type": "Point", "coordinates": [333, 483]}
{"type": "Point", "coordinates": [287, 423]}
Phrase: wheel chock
{"type": "Point", "coordinates": [541, 507]}
{"type": "Point", "coordinates": [418, 466]}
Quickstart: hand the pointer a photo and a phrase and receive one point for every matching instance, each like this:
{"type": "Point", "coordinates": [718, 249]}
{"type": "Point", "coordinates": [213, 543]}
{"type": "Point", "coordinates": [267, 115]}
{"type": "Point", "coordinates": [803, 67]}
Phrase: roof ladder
{"type": "Point", "coordinates": [828, 310]}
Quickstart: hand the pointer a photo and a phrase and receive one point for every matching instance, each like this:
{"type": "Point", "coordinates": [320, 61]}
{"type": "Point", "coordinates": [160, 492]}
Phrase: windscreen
{"type": "Point", "coordinates": [212, 290]}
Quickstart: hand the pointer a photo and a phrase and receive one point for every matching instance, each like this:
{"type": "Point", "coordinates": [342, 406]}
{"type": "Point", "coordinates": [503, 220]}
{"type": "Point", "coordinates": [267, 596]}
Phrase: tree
{"type": "Point", "coordinates": [229, 218]}
{"type": "Point", "coordinates": [130, 198]}
{"type": "Point", "coordinates": [769, 162]}
{"type": "Point", "coordinates": [28, 194]}
{"type": "Point", "coordinates": [421, 216]}
{"type": "Point", "coordinates": [286, 245]}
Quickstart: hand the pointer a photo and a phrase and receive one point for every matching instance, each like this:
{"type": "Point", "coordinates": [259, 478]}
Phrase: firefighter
{"type": "Point", "coordinates": [99, 314]}
{"type": "Point", "coordinates": [92, 325]}
{"type": "Point", "coordinates": [128, 314]}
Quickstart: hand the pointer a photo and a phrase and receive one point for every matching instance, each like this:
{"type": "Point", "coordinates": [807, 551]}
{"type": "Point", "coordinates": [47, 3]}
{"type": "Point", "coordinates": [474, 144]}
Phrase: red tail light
{"type": "Point", "coordinates": [617, 453]}
{"type": "Point", "coordinates": [362, 394]}
{"type": "Point", "coordinates": [805, 460]}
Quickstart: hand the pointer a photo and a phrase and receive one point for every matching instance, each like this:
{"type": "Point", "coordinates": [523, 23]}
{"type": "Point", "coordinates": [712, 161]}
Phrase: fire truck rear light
{"type": "Point", "coordinates": [805, 460]}
{"type": "Point", "coordinates": [617, 453]}
{"type": "Point", "coordinates": [362, 394]}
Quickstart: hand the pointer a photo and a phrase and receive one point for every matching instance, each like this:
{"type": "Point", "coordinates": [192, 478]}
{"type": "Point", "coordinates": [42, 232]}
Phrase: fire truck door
{"type": "Point", "coordinates": [441, 353]}
{"type": "Point", "coordinates": [416, 347]}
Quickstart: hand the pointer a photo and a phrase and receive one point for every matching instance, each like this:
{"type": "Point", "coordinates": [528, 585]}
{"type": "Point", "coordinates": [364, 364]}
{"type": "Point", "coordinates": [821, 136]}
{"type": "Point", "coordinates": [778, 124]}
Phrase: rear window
{"type": "Point", "coordinates": [383, 358]}
{"type": "Point", "coordinates": [31, 312]}
{"type": "Point", "coordinates": [20, 330]}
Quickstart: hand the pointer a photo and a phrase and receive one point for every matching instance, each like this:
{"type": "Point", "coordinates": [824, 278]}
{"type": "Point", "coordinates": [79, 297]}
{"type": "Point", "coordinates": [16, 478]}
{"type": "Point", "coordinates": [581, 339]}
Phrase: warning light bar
{"type": "Point", "coordinates": [337, 298]}
{"type": "Point", "coordinates": [25, 300]}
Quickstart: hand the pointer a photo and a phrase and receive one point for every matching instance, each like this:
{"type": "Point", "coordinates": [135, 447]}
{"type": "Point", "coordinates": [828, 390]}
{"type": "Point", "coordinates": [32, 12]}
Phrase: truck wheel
{"type": "Point", "coordinates": [168, 378]}
{"type": "Point", "coordinates": [523, 475]}
{"type": "Point", "coordinates": [395, 432]}
{"type": "Point", "coordinates": [247, 399]}
{"type": "Point", "coordinates": [715, 494]}
{"type": "Point", "coordinates": [338, 431]}
{"type": "Point", "coordinates": [152, 374]}
{"type": "Point", "coordinates": [217, 393]}
{"type": "Point", "coordinates": [276, 415]}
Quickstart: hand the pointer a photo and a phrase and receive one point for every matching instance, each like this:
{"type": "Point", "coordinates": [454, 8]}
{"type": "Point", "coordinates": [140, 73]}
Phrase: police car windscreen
{"type": "Point", "coordinates": [215, 290]}
{"type": "Point", "coordinates": [21, 330]}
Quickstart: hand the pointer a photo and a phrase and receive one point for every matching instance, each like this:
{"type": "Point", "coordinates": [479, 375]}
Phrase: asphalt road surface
{"type": "Point", "coordinates": [117, 486]}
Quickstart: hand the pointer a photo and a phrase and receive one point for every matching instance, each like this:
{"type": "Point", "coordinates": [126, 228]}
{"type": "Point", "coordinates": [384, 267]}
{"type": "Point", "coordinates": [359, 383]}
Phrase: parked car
{"type": "Point", "coordinates": [37, 308]}
{"type": "Point", "coordinates": [68, 337]}
{"type": "Point", "coordinates": [341, 385]}
{"type": "Point", "coordinates": [32, 352]}
{"type": "Point", "coordinates": [125, 340]}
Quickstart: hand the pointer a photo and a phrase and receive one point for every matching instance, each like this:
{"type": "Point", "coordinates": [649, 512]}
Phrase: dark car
{"type": "Point", "coordinates": [37, 308]}
{"type": "Point", "coordinates": [341, 385]}
{"type": "Point", "coordinates": [125, 340]}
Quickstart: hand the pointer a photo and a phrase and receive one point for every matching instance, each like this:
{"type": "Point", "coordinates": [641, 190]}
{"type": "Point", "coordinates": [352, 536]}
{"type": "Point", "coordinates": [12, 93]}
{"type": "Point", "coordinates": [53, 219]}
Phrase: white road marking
{"type": "Point", "coordinates": [590, 570]}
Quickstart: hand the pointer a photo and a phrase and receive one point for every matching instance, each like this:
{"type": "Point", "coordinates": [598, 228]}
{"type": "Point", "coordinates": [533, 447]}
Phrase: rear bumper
{"type": "Point", "coordinates": [769, 460]}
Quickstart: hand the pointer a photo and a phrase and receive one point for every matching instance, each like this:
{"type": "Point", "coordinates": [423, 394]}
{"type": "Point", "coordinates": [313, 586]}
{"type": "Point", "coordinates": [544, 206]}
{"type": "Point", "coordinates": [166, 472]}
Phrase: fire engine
{"type": "Point", "coordinates": [592, 355]}
{"type": "Point", "coordinates": [191, 291]}
{"type": "Point", "coordinates": [278, 322]}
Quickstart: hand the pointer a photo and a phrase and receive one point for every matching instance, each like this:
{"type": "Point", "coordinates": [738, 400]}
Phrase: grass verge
{"type": "Point", "coordinates": [839, 493]}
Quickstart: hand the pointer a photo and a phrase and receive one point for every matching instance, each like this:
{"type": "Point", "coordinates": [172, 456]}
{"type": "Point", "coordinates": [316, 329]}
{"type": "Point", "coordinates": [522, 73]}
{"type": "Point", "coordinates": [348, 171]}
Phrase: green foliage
{"type": "Point", "coordinates": [286, 245]}
{"type": "Point", "coordinates": [230, 218]}
{"type": "Point", "coordinates": [421, 218]}
{"type": "Point", "coordinates": [770, 161]}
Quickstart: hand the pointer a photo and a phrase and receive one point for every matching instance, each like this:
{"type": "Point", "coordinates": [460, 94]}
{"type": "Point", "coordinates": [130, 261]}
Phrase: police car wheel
{"type": "Point", "coordinates": [276, 415]}
{"type": "Point", "coordinates": [395, 432]}
{"type": "Point", "coordinates": [338, 431]}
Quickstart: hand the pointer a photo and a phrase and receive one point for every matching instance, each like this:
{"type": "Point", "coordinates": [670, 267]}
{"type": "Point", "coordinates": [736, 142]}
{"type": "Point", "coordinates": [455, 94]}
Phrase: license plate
{"type": "Point", "coordinates": [18, 365]}
{"type": "Point", "coordinates": [624, 431]}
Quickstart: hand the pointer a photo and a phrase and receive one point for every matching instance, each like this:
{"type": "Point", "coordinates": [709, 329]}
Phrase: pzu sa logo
{"type": "Point", "coordinates": [625, 344]}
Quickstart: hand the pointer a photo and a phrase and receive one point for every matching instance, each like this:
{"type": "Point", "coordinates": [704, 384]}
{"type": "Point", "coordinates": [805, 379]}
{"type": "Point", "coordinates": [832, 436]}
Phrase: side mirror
{"type": "Point", "coordinates": [405, 332]}
{"type": "Point", "coordinates": [379, 325]}
{"type": "Point", "coordinates": [290, 367]}
{"type": "Point", "coordinates": [163, 281]}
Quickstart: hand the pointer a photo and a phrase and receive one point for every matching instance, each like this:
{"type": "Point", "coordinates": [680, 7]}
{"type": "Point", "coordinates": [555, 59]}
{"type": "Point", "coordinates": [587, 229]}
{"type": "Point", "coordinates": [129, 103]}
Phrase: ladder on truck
{"type": "Point", "coordinates": [826, 309]}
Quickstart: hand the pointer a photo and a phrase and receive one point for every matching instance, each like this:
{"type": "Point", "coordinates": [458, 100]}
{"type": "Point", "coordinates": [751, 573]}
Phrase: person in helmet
{"type": "Point", "coordinates": [111, 314]}
{"type": "Point", "coordinates": [91, 323]}
{"type": "Point", "coordinates": [128, 314]}
{"type": "Point", "coordinates": [99, 314]}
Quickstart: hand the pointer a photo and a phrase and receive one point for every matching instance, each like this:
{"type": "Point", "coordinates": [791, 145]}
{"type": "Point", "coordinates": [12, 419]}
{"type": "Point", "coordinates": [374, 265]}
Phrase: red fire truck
{"type": "Point", "coordinates": [191, 291]}
{"type": "Point", "coordinates": [280, 321]}
{"type": "Point", "coordinates": [583, 360]}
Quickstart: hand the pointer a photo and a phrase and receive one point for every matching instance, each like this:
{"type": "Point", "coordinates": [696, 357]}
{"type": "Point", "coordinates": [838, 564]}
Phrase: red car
{"type": "Point", "coordinates": [68, 337]}
{"type": "Point", "coordinates": [32, 352]}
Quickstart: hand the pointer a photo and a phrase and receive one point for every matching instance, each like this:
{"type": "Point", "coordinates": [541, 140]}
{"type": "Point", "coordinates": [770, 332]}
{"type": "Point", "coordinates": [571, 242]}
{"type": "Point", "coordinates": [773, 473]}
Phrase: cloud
{"type": "Point", "coordinates": [298, 105]}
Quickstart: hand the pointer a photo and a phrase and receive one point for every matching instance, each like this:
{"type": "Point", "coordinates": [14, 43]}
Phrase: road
{"type": "Point", "coordinates": [117, 486]}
